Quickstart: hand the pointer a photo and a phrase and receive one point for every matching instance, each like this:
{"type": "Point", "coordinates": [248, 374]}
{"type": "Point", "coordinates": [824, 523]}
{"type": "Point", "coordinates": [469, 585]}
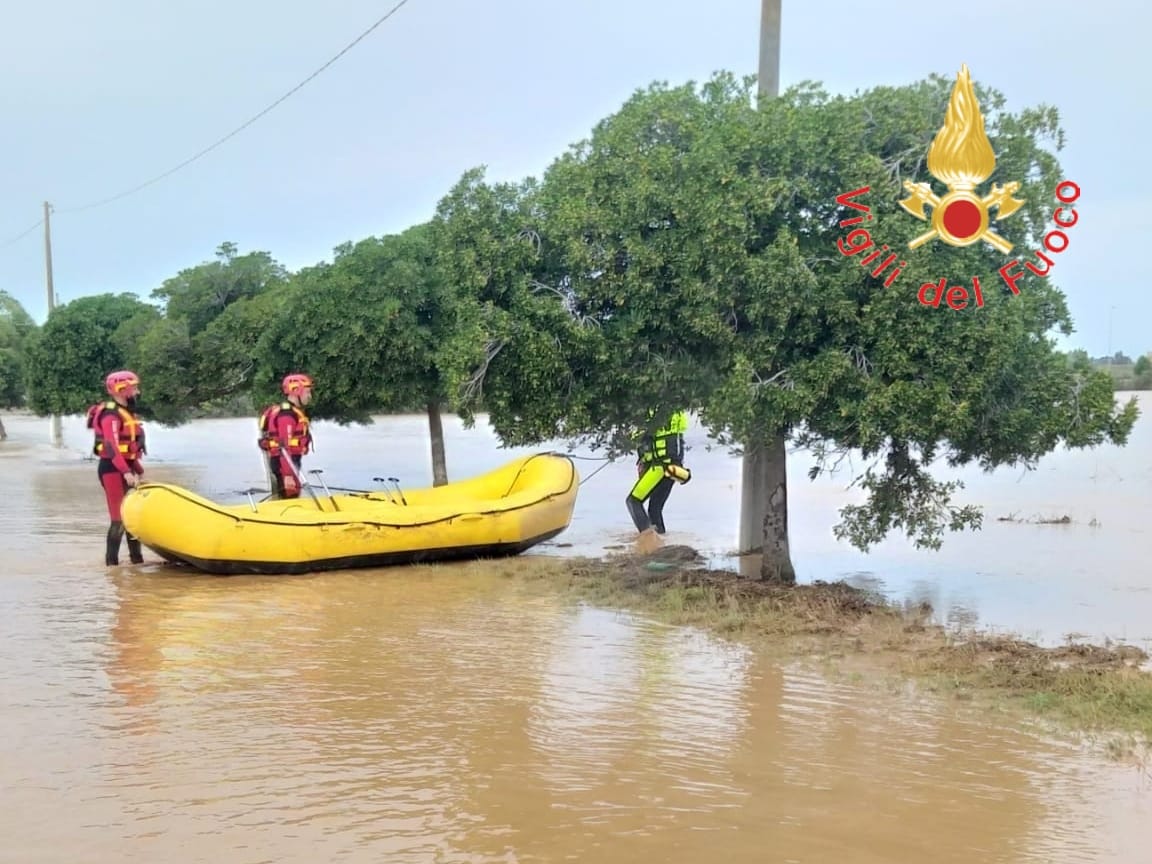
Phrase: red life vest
{"type": "Point", "coordinates": [131, 435]}
{"type": "Point", "coordinates": [298, 445]}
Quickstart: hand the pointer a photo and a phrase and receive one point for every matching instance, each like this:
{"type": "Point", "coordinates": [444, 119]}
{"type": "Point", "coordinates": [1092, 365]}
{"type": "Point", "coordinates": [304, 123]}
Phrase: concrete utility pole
{"type": "Point", "coordinates": [54, 428]}
{"type": "Point", "coordinates": [768, 76]}
{"type": "Point", "coordinates": [757, 475]}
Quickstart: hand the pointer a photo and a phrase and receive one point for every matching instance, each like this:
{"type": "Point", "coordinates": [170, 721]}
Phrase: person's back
{"type": "Point", "coordinates": [659, 466]}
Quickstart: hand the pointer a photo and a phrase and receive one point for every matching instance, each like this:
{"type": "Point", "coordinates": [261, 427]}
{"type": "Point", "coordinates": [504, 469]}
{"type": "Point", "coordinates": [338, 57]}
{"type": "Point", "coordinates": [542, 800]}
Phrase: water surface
{"type": "Point", "coordinates": [441, 714]}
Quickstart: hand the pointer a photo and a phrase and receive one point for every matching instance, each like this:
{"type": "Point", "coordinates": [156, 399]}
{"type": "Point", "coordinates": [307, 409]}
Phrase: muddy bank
{"type": "Point", "coordinates": [1083, 688]}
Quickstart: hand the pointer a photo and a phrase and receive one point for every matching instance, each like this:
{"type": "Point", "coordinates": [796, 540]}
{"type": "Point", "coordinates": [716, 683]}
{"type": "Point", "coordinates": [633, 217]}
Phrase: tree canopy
{"type": "Point", "coordinates": [684, 256]}
{"type": "Point", "coordinates": [692, 242]}
{"type": "Point", "coordinates": [80, 343]}
{"type": "Point", "coordinates": [198, 295]}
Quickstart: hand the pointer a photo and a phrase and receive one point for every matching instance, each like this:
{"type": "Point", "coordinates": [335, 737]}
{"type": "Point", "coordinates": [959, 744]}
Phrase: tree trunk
{"type": "Point", "coordinates": [764, 489]}
{"type": "Point", "coordinates": [436, 432]}
{"type": "Point", "coordinates": [764, 509]}
{"type": "Point", "coordinates": [3, 433]}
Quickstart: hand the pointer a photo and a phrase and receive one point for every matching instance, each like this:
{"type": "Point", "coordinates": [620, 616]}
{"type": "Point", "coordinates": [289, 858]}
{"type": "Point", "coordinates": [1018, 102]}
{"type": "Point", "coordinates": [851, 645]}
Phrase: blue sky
{"type": "Point", "coordinates": [98, 98]}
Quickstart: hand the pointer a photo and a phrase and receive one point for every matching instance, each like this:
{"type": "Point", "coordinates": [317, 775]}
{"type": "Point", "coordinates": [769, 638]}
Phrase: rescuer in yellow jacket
{"type": "Point", "coordinates": [660, 465]}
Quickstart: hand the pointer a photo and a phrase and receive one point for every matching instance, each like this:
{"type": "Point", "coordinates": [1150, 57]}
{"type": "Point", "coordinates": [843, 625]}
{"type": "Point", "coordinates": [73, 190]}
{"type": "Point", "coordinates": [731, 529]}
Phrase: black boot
{"type": "Point", "coordinates": [112, 554]}
{"type": "Point", "coordinates": [636, 511]}
{"type": "Point", "coordinates": [135, 555]}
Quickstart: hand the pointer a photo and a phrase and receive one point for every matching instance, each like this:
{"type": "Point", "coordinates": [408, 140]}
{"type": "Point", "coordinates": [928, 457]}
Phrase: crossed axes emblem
{"type": "Point", "coordinates": [999, 197]}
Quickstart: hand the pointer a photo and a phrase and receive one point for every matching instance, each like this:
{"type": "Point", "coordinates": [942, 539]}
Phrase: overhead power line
{"type": "Point", "coordinates": [22, 234]}
{"type": "Point", "coordinates": [235, 131]}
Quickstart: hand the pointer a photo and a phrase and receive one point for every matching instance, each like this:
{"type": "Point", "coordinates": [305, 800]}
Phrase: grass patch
{"type": "Point", "coordinates": [1078, 688]}
{"type": "Point", "coordinates": [1088, 688]}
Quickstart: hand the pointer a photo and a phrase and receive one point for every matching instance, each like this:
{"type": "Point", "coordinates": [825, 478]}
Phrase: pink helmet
{"type": "Point", "coordinates": [294, 383]}
{"type": "Point", "coordinates": [119, 381]}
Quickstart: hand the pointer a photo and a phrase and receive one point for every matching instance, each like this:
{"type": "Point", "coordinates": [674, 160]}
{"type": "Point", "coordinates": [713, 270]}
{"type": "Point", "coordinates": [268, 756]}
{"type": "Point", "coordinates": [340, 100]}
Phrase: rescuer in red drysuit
{"type": "Point", "coordinates": [119, 443]}
{"type": "Point", "coordinates": [285, 435]}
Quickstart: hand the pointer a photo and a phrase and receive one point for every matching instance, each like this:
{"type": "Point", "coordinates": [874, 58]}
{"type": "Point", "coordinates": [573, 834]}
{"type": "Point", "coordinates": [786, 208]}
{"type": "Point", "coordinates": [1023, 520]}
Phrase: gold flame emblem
{"type": "Point", "coordinates": [961, 158]}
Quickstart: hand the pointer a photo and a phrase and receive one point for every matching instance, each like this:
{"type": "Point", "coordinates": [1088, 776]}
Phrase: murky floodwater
{"type": "Point", "coordinates": [437, 714]}
{"type": "Point", "coordinates": [1089, 576]}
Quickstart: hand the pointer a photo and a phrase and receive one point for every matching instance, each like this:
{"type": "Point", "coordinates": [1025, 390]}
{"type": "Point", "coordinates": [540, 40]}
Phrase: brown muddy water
{"type": "Point", "coordinates": [438, 714]}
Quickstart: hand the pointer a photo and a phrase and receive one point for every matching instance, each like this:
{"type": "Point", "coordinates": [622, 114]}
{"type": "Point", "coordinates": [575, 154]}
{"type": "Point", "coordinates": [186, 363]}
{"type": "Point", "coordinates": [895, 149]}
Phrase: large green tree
{"type": "Point", "coordinates": [692, 243]}
{"type": "Point", "coordinates": [80, 343]}
{"type": "Point", "coordinates": [377, 330]}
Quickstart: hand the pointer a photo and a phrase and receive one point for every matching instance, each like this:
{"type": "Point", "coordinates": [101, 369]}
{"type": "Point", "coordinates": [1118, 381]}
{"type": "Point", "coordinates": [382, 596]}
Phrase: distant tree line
{"type": "Point", "coordinates": [1127, 374]}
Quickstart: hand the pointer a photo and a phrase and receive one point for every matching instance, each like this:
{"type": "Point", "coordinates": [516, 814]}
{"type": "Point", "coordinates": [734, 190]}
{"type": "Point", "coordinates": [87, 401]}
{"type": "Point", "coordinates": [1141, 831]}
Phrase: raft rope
{"type": "Point", "coordinates": [607, 460]}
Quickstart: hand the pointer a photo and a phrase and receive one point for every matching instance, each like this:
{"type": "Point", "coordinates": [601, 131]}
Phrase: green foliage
{"type": "Point", "coordinates": [17, 329]}
{"type": "Point", "coordinates": [16, 325]}
{"type": "Point", "coordinates": [375, 329]}
{"type": "Point", "coordinates": [1143, 369]}
{"type": "Point", "coordinates": [1079, 359]}
{"type": "Point", "coordinates": [687, 253]}
{"type": "Point", "coordinates": [683, 256]}
{"type": "Point", "coordinates": [527, 358]}
{"type": "Point", "coordinates": [199, 355]}
{"type": "Point", "coordinates": [193, 355]}
{"type": "Point", "coordinates": [11, 378]}
{"type": "Point", "coordinates": [224, 350]}
{"type": "Point", "coordinates": [80, 343]}
{"type": "Point", "coordinates": [165, 361]}
{"type": "Point", "coordinates": [199, 294]}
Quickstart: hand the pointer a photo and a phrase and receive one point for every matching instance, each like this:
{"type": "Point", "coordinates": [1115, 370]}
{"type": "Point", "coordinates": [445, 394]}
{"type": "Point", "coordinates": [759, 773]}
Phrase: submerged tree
{"type": "Point", "coordinates": [687, 256]}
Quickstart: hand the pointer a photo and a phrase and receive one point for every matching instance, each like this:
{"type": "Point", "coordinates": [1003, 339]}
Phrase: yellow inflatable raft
{"type": "Point", "coordinates": [504, 512]}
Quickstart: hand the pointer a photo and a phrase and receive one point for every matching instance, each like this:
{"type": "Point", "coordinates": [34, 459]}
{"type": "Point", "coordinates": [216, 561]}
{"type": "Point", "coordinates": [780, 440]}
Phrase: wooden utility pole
{"type": "Point", "coordinates": [54, 429]}
{"type": "Point", "coordinates": [764, 480]}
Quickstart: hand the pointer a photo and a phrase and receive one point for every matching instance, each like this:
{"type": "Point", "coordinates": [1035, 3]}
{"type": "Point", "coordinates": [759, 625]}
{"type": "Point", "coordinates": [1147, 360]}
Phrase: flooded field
{"type": "Point", "coordinates": [1088, 575]}
{"type": "Point", "coordinates": [437, 714]}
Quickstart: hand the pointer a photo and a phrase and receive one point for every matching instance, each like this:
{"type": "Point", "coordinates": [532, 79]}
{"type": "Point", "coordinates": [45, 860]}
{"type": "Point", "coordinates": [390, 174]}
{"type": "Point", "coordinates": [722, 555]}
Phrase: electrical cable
{"type": "Point", "coordinates": [240, 128]}
{"type": "Point", "coordinates": [216, 144]}
{"type": "Point", "coordinates": [22, 234]}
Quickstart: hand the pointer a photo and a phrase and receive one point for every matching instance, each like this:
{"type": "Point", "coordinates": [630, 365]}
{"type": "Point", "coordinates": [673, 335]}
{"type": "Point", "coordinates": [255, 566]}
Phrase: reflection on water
{"type": "Point", "coordinates": [440, 714]}
{"type": "Point", "coordinates": [437, 714]}
{"type": "Point", "coordinates": [1045, 581]}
